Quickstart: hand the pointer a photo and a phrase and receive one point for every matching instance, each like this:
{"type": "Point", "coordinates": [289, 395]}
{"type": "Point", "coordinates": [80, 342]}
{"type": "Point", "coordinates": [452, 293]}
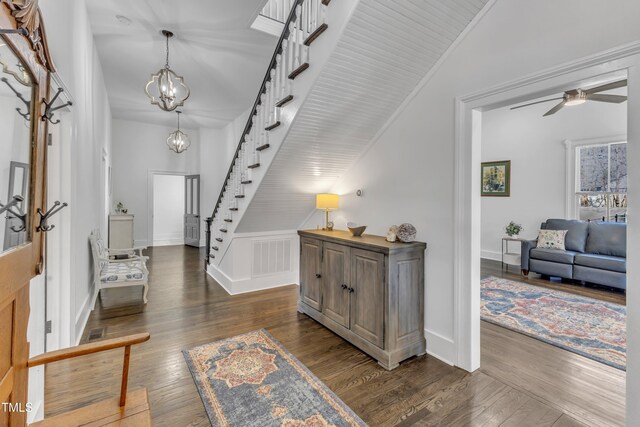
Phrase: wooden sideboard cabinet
{"type": "Point", "coordinates": [365, 289]}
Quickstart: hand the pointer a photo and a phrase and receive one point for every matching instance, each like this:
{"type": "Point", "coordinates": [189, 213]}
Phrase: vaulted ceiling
{"type": "Point", "coordinates": [222, 59]}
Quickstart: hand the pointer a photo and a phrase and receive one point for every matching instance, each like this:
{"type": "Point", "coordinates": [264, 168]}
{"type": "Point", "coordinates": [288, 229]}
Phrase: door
{"type": "Point", "coordinates": [192, 210]}
{"type": "Point", "coordinates": [311, 272]}
{"type": "Point", "coordinates": [335, 282]}
{"type": "Point", "coordinates": [367, 297]}
{"type": "Point", "coordinates": [22, 159]}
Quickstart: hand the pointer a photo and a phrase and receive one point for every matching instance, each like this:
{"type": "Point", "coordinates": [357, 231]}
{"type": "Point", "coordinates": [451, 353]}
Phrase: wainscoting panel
{"type": "Point", "coordinates": [271, 256]}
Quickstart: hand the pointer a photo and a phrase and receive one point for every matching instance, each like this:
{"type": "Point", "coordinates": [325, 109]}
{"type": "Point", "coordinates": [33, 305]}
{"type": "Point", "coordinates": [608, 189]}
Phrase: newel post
{"type": "Point", "coordinates": [209, 221]}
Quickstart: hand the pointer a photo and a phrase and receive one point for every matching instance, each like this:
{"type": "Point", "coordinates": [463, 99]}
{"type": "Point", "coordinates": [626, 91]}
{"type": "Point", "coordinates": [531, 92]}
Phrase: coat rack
{"type": "Point", "coordinates": [45, 216]}
{"type": "Point", "coordinates": [19, 214]}
{"type": "Point", "coordinates": [27, 115]}
{"type": "Point", "coordinates": [21, 31]}
{"type": "Point", "coordinates": [50, 109]}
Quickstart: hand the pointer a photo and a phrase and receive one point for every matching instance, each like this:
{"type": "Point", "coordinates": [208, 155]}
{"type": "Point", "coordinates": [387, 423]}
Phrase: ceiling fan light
{"type": "Point", "coordinates": [576, 101]}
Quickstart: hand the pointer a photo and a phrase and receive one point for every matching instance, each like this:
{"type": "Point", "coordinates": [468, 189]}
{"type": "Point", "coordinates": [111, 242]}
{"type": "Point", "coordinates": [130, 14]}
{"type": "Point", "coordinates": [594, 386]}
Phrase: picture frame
{"type": "Point", "coordinates": [495, 179]}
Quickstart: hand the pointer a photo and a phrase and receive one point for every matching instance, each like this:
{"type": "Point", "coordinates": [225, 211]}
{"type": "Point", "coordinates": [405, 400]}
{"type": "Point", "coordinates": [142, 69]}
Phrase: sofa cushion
{"type": "Point", "coordinates": [603, 262]}
{"type": "Point", "coordinates": [607, 238]}
{"type": "Point", "coordinates": [577, 231]}
{"type": "Point", "coordinates": [553, 255]}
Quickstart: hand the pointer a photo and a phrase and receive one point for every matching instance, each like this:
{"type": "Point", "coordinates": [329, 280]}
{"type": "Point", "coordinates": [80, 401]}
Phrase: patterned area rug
{"type": "Point", "coordinates": [252, 380]}
{"type": "Point", "coordinates": [591, 328]}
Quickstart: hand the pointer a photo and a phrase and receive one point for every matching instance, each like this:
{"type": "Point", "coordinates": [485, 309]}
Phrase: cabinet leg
{"type": "Point", "coordinates": [525, 272]}
{"type": "Point", "coordinates": [388, 367]}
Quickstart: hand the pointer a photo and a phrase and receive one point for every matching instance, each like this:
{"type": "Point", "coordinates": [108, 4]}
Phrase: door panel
{"type": "Point", "coordinates": [192, 211]}
{"type": "Point", "coordinates": [311, 273]}
{"type": "Point", "coordinates": [335, 280]}
{"type": "Point", "coordinates": [367, 299]}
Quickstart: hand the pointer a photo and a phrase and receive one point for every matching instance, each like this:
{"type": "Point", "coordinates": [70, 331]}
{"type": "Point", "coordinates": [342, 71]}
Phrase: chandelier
{"type": "Point", "coordinates": [178, 141]}
{"type": "Point", "coordinates": [166, 89]}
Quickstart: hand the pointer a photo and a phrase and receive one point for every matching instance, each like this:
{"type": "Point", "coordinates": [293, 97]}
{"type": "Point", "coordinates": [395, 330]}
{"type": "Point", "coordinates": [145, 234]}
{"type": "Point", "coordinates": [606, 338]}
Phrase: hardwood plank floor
{"type": "Point", "coordinates": [187, 308]}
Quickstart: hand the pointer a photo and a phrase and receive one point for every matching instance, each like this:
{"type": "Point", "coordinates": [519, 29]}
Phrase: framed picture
{"type": "Point", "coordinates": [496, 178]}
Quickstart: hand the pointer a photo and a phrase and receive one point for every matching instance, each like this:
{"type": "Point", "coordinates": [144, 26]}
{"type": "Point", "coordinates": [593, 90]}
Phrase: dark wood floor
{"type": "Point", "coordinates": [520, 382]}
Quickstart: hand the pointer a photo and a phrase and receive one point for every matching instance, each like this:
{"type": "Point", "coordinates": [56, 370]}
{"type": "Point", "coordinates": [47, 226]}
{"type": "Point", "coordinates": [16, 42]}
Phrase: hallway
{"type": "Point", "coordinates": [187, 308]}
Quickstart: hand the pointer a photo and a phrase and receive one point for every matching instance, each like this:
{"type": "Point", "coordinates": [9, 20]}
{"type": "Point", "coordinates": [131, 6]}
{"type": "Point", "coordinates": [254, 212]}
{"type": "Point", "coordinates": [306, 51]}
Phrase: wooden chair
{"type": "Point", "coordinates": [114, 268]}
{"type": "Point", "coordinates": [127, 410]}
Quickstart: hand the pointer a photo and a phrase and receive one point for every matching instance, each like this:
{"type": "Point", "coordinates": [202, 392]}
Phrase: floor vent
{"type": "Point", "coordinates": [96, 333]}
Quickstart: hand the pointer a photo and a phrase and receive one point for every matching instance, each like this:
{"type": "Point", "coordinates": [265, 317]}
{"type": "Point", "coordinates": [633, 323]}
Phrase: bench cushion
{"type": "Point", "coordinates": [121, 272]}
{"type": "Point", "coordinates": [554, 255]}
{"type": "Point", "coordinates": [602, 262]}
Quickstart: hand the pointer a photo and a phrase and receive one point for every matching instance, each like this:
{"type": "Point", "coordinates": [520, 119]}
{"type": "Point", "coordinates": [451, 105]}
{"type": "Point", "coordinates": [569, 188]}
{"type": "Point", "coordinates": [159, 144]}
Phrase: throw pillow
{"type": "Point", "coordinates": [551, 239]}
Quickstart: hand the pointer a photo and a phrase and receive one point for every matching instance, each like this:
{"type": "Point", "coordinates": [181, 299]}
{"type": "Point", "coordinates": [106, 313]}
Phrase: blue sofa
{"type": "Point", "coordinates": [596, 252]}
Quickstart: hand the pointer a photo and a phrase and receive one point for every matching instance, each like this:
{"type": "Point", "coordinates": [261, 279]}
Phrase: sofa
{"type": "Point", "coordinates": [595, 252]}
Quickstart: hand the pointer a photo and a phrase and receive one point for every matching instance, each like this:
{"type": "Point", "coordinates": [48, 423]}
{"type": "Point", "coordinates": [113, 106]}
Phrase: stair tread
{"type": "Point", "coordinates": [295, 73]}
{"type": "Point", "coordinates": [233, 209]}
{"type": "Point", "coordinates": [284, 101]}
{"type": "Point", "coordinates": [219, 239]}
{"type": "Point", "coordinates": [313, 36]}
{"type": "Point", "coordinates": [253, 167]}
{"type": "Point", "coordinates": [246, 182]}
{"type": "Point", "coordinates": [273, 125]}
{"type": "Point", "coordinates": [262, 147]}
{"type": "Point", "coordinates": [239, 196]}
{"type": "Point", "coordinates": [228, 220]}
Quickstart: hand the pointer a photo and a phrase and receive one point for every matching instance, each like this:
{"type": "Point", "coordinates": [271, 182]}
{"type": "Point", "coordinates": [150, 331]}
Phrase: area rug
{"type": "Point", "coordinates": [586, 326]}
{"type": "Point", "coordinates": [252, 380]}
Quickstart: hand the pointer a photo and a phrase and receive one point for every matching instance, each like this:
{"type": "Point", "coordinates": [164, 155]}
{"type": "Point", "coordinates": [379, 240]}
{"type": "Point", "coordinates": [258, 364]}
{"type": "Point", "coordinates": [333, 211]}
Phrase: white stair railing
{"type": "Point", "coordinates": [302, 26]}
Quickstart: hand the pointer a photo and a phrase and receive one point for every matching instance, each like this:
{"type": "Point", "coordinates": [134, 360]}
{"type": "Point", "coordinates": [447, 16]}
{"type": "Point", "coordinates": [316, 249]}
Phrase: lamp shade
{"type": "Point", "coordinates": [327, 201]}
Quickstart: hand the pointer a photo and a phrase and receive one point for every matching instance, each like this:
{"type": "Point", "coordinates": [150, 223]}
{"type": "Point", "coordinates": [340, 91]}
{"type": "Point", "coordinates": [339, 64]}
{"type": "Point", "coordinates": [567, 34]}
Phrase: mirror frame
{"type": "Point", "coordinates": [19, 265]}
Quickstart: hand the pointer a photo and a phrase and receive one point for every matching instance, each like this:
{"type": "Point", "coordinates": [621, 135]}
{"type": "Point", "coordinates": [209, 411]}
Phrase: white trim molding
{"type": "Point", "coordinates": [604, 66]}
{"type": "Point", "coordinates": [440, 347]}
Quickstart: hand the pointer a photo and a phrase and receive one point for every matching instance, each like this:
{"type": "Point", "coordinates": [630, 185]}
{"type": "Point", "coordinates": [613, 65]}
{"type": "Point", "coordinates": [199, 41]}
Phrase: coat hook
{"type": "Point", "coordinates": [50, 109]}
{"type": "Point", "coordinates": [27, 115]}
{"type": "Point", "coordinates": [9, 207]}
{"type": "Point", "coordinates": [44, 216]}
{"type": "Point", "coordinates": [21, 31]}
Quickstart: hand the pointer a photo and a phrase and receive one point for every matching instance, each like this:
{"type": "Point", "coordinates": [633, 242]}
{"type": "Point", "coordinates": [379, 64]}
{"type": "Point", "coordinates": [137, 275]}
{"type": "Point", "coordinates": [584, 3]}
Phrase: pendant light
{"type": "Point", "coordinates": [166, 89]}
{"type": "Point", "coordinates": [178, 141]}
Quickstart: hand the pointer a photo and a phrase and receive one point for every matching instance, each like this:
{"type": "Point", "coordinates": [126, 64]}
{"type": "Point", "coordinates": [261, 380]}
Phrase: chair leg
{"type": "Point", "coordinates": [144, 294]}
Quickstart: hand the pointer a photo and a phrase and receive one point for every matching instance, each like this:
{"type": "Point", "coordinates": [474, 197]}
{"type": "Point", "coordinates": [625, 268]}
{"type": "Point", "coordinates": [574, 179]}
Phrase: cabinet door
{"type": "Point", "coordinates": [367, 297]}
{"type": "Point", "coordinates": [335, 279]}
{"type": "Point", "coordinates": [311, 272]}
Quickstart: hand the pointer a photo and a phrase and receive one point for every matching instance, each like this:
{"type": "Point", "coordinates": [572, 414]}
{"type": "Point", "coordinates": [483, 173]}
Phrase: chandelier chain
{"type": "Point", "coordinates": [167, 63]}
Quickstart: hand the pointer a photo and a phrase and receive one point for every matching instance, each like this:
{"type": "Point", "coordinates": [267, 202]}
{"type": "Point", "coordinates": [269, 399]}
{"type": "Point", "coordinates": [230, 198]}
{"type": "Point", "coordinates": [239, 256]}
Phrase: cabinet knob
{"type": "Point", "coordinates": [318, 275]}
{"type": "Point", "coordinates": [351, 290]}
{"type": "Point", "coordinates": [344, 286]}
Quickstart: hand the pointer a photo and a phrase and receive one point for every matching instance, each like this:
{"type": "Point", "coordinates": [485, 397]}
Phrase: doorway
{"type": "Point", "coordinates": [169, 197]}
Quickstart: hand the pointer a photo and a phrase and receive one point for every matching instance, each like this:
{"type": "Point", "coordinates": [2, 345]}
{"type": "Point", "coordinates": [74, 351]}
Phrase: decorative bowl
{"type": "Point", "coordinates": [355, 229]}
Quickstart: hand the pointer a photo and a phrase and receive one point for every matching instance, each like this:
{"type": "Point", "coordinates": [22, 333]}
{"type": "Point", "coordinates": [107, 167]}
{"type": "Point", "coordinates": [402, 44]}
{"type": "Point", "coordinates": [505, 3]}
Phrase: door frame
{"type": "Point", "coordinates": [186, 208]}
{"type": "Point", "coordinates": [468, 115]}
{"type": "Point", "coordinates": [150, 177]}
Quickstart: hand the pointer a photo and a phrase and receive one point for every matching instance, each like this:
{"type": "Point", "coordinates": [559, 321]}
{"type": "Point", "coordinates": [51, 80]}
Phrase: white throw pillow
{"type": "Point", "coordinates": [551, 239]}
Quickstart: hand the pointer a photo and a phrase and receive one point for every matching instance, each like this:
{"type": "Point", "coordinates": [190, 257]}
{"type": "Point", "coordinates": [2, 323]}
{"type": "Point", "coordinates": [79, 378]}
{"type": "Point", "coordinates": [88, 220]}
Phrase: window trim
{"type": "Point", "coordinates": [572, 171]}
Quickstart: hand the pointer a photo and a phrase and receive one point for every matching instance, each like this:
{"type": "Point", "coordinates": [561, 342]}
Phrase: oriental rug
{"type": "Point", "coordinates": [252, 380]}
{"type": "Point", "coordinates": [586, 326]}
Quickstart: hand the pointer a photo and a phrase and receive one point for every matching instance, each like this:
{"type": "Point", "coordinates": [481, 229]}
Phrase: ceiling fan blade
{"type": "Point", "coordinates": [534, 103]}
{"type": "Point", "coordinates": [608, 86]}
{"type": "Point", "coordinates": [554, 109]}
{"type": "Point", "coordinates": [616, 99]}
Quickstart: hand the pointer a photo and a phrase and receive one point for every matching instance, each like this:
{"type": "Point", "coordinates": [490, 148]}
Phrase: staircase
{"type": "Point", "coordinates": [270, 117]}
{"type": "Point", "coordinates": [340, 70]}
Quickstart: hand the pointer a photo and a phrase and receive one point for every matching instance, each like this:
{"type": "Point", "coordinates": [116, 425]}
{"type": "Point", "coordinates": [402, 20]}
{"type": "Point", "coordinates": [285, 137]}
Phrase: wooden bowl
{"type": "Point", "coordinates": [355, 229]}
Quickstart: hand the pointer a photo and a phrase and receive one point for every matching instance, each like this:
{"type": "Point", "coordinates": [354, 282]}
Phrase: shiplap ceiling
{"type": "Point", "coordinates": [388, 46]}
{"type": "Point", "coordinates": [222, 59]}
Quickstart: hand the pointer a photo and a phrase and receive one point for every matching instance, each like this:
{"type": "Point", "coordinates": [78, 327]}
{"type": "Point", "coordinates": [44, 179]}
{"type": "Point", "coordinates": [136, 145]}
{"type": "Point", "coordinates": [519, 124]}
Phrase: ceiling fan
{"type": "Point", "coordinates": [579, 96]}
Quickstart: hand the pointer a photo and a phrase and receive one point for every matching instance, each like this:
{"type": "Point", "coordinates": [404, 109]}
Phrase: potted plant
{"type": "Point", "coordinates": [513, 229]}
{"type": "Point", "coordinates": [119, 207]}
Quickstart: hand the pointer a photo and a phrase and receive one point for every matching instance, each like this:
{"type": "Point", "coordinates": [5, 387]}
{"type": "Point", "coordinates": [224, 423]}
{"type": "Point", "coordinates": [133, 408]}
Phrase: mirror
{"type": "Point", "coordinates": [16, 99]}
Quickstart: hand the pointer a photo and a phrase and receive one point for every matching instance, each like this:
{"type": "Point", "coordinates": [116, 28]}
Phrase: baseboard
{"type": "Point", "coordinates": [83, 316]}
{"type": "Point", "coordinates": [243, 286]}
{"type": "Point", "coordinates": [440, 347]}
{"type": "Point", "coordinates": [168, 242]}
{"type": "Point", "coordinates": [496, 256]}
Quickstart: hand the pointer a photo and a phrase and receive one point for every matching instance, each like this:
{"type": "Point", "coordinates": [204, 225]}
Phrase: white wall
{"type": "Point", "coordinates": [535, 146]}
{"type": "Point", "coordinates": [168, 210]}
{"type": "Point", "coordinates": [138, 149]}
{"type": "Point", "coordinates": [408, 173]}
{"type": "Point", "coordinates": [77, 63]}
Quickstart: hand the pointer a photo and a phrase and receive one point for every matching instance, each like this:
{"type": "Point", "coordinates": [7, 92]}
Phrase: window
{"type": "Point", "coordinates": [602, 182]}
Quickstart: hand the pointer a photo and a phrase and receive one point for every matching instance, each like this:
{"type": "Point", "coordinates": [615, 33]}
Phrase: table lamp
{"type": "Point", "coordinates": [327, 202]}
